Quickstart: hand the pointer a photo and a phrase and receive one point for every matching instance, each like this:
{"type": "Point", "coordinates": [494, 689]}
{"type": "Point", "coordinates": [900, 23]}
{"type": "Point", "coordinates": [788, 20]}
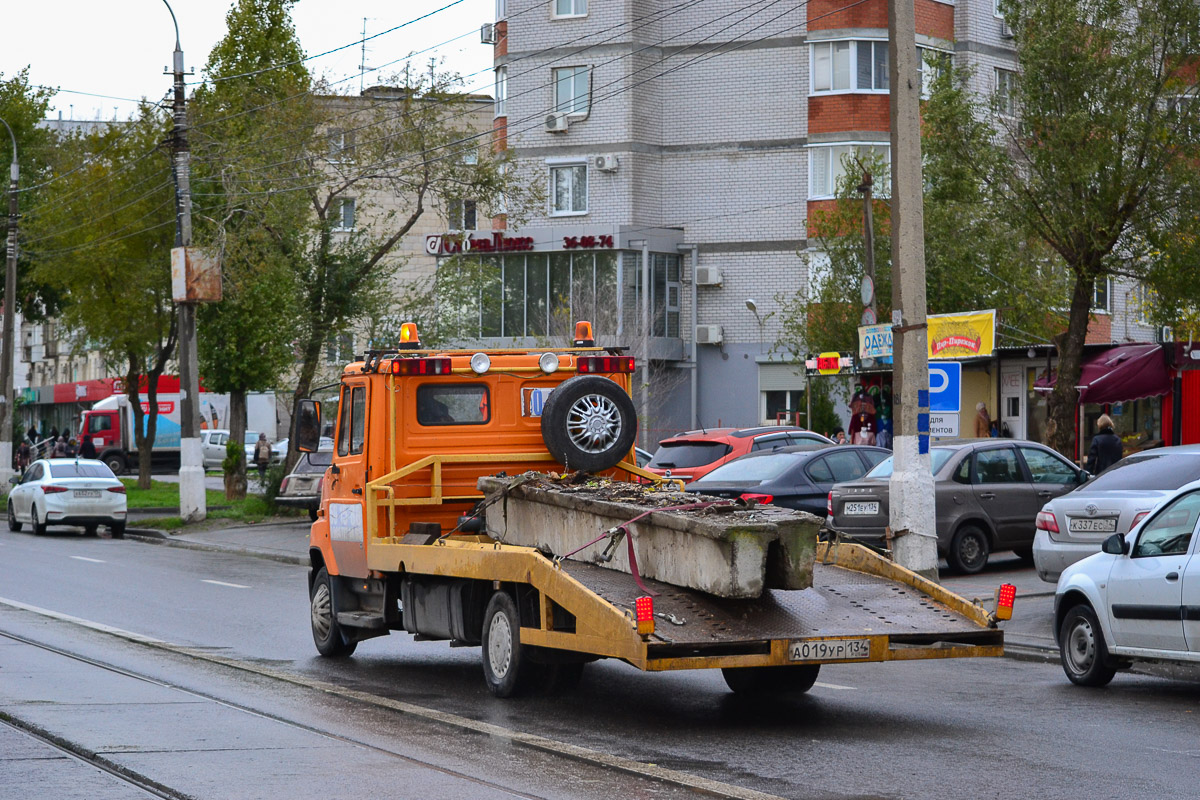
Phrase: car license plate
{"type": "Point", "coordinates": [1100, 525]}
{"type": "Point", "coordinates": [533, 400]}
{"type": "Point", "coordinates": [860, 509]}
{"type": "Point", "coordinates": [830, 650]}
{"type": "Point", "coordinates": [87, 493]}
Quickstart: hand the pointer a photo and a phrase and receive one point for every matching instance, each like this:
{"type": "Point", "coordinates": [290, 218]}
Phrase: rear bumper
{"type": "Point", "coordinates": [298, 501]}
{"type": "Point", "coordinates": [1050, 558]}
{"type": "Point", "coordinates": [57, 518]}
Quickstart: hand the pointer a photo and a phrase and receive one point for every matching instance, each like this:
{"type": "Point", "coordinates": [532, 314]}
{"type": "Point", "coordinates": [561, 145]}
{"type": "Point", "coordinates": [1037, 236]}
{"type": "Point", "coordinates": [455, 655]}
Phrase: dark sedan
{"type": "Point", "coordinates": [797, 477]}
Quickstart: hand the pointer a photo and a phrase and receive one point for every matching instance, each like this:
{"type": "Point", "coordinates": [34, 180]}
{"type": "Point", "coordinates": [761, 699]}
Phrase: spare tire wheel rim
{"type": "Point", "coordinates": [593, 423]}
{"type": "Point", "coordinates": [499, 645]}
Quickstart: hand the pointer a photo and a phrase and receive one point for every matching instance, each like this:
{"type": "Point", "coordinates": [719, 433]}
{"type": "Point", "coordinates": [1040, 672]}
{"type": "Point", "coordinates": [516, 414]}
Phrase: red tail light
{"type": "Point", "coordinates": [645, 615]}
{"type": "Point", "coordinates": [758, 498]}
{"type": "Point", "coordinates": [48, 489]}
{"type": "Point", "coordinates": [1004, 601]}
{"type": "Point", "coordinates": [593, 365]}
{"type": "Point", "coordinates": [421, 366]}
{"type": "Point", "coordinates": [283, 486]}
{"type": "Point", "coordinates": [829, 504]}
{"type": "Point", "coordinates": [1046, 522]}
{"type": "Point", "coordinates": [1137, 518]}
{"type": "Point", "coordinates": [117, 489]}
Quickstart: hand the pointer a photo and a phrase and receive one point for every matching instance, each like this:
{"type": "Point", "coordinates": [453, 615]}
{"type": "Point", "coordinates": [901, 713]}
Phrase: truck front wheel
{"type": "Point", "coordinates": [771, 681]}
{"type": "Point", "coordinates": [506, 665]}
{"type": "Point", "coordinates": [327, 633]}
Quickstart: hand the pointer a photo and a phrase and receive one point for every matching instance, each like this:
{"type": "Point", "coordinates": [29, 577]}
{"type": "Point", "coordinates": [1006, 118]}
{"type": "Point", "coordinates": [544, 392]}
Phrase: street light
{"type": "Point", "coordinates": [10, 307]}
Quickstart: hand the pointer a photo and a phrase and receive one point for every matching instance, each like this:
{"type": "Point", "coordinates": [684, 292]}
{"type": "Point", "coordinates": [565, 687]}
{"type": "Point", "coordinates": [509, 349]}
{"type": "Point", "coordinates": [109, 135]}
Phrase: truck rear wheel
{"type": "Point", "coordinates": [115, 461]}
{"type": "Point", "coordinates": [770, 681]}
{"type": "Point", "coordinates": [327, 634]}
{"type": "Point", "coordinates": [589, 423]}
{"type": "Point", "coordinates": [507, 669]}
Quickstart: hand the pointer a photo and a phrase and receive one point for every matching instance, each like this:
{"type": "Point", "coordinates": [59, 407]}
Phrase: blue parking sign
{"type": "Point", "coordinates": [945, 386]}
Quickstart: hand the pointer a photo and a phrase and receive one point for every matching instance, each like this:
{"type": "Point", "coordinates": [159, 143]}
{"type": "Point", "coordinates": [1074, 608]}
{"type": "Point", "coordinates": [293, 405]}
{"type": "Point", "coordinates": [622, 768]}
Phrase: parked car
{"type": "Point", "coordinates": [1072, 527]}
{"type": "Point", "coordinates": [692, 455]}
{"type": "Point", "coordinates": [213, 442]}
{"type": "Point", "coordinates": [792, 477]}
{"type": "Point", "coordinates": [1136, 599]}
{"type": "Point", "coordinates": [643, 456]}
{"type": "Point", "coordinates": [280, 448]}
{"type": "Point", "coordinates": [302, 487]}
{"type": "Point", "coordinates": [67, 491]}
{"type": "Point", "coordinates": [988, 495]}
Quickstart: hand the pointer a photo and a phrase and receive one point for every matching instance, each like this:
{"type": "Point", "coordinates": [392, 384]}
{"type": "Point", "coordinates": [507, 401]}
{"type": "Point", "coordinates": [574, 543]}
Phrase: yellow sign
{"type": "Point", "coordinates": [829, 363]}
{"type": "Point", "coordinates": [962, 335]}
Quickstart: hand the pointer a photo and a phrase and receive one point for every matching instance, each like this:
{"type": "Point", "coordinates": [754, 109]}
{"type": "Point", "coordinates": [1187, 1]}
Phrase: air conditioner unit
{"type": "Point", "coordinates": [708, 334]}
{"type": "Point", "coordinates": [1005, 31]}
{"type": "Point", "coordinates": [708, 276]}
{"type": "Point", "coordinates": [487, 33]}
{"type": "Point", "coordinates": [556, 123]}
{"type": "Point", "coordinates": [606, 163]}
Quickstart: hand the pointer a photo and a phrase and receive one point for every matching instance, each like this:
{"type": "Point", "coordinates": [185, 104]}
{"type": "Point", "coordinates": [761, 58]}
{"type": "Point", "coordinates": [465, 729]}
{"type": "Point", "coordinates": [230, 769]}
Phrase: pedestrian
{"type": "Point", "coordinates": [60, 448]}
{"type": "Point", "coordinates": [839, 436]}
{"type": "Point", "coordinates": [23, 456]}
{"type": "Point", "coordinates": [31, 435]}
{"type": "Point", "coordinates": [72, 447]}
{"type": "Point", "coordinates": [262, 457]}
{"type": "Point", "coordinates": [54, 434]}
{"type": "Point", "coordinates": [88, 448]}
{"type": "Point", "coordinates": [983, 421]}
{"type": "Point", "coordinates": [1106, 448]}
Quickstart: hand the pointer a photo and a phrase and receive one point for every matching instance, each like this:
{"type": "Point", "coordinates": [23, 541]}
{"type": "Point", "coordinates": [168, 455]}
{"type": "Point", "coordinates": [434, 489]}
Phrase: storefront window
{"type": "Point", "coordinates": [514, 296]}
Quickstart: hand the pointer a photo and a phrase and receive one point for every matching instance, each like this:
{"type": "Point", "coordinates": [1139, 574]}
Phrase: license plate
{"type": "Point", "coordinates": [860, 509]}
{"type": "Point", "coordinates": [830, 650]}
{"type": "Point", "coordinates": [87, 492]}
{"type": "Point", "coordinates": [533, 400]}
{"type": "Point", "coordinates": [1101, 525]}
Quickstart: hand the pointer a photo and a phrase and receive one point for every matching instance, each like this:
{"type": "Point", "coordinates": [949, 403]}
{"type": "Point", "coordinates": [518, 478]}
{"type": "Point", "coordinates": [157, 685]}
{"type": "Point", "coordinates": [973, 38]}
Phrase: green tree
{"type": "Point", "coordinates": [1091, 153]}
{"type": "Point", "coordinates": [245, 341]}
{"type": "Point", "coordinates": [101, 237]}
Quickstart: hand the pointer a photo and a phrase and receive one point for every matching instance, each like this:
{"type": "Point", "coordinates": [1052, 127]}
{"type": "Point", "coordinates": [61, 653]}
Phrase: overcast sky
{"type": "Point", "coordinates": [119, 48]}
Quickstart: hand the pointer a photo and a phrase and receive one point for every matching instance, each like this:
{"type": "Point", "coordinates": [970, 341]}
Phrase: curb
{"type": "Point", "coordinates": [158, 537]}
{"type": "Point", "coordinates": [169, 509]}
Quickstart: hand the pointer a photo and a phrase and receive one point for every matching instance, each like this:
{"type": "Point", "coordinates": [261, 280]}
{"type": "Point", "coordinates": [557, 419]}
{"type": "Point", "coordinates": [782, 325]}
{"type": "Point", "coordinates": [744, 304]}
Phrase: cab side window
{"type": "Point", "coordinates": [358, 419]}
{"type": "Point", "coordinates": [99, 423]}
{"type": "Point", "coordinates": [343, 432]}
{"type": "Point", "coordinates": [463, 404]}
{"type": "Point", "coordinates": [1170, 532]}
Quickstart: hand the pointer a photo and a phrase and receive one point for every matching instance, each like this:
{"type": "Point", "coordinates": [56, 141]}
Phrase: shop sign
{"type": "Point", "coordinates": [830, 363]}
{"type": "Point", "coordinates": [874, 341]}
{"type": "Point", "coordinates": [943, 425]}
{"type": "Point", "coordinates": [588, 242]}
{"type": "Point", "coordinates": [962, 335]}
{"type": "Point", "coordinates": [449, 244]}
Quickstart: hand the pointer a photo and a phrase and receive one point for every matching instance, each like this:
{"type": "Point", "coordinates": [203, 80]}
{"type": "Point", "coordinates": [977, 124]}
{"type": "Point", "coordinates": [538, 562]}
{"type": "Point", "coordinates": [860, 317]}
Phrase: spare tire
{"type": "Point", "coordinates": [589, 423]}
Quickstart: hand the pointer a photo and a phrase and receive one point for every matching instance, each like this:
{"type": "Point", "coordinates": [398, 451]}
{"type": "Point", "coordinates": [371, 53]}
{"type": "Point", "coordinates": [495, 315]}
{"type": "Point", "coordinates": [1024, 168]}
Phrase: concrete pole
{"type": "Point", "coordinates": [911, 505]}
{"type": "Point", "coordinates": [645, 344]}
{"type": "Point", "coordinates": [193, 505]}
{"type": "Point", "coordinates": [10, 322]}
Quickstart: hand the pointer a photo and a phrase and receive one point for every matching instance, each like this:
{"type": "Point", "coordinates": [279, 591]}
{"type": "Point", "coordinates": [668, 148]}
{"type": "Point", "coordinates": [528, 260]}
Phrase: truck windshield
{"type": "Point", "coordinates": [681, 455]}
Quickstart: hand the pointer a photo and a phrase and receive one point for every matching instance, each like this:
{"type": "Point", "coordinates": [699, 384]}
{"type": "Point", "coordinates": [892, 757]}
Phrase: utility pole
{"type": "Point", "coordinates": [10, 322]}
{"type": "Point", "coordinates": [866, 187]}
{"type": "Point", "coordinates": [911, 497]}
{"type": "Point", "coordinates": [192, 500]}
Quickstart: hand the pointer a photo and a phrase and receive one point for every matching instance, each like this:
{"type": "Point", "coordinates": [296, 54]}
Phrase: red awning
{"type": "Point", "coordinates": [1118, 375]}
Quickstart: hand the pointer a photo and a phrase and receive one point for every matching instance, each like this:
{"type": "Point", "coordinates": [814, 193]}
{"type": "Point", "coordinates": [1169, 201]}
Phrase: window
{"type": "Point", "coordinates": [501, 90]}
{"type": "Point", "coordinates": [461, 215]}
{"type": "Point", "coordinates": [358, 419]}
{"type": "Point", "coordinates": [931, 65]}
{"type": "Point", "coordinates": [343, 440]}
{"type": "Point", "coordinates": [571, 90]}
{"type": "Point", "coordinates": [1100, 295]}
{"type": "Point", "coordinates": [783, 404]}
{"type": "Point", "coordinates": [1143, 304]}
{"type": "Point", "coordinates": [1006, 85]}
{"type": "Point", "coordinates": [568, 190]}
{"type": "Point", "coordinates": [831, 67]}
{"type": "Point", "coordinates": [501, 9]}
{"type": "Point", "coordinates": [826, 167]}
{"type": "Point", "coordinates": [1046, 468]}
{"type": "Point", "coordinates": [339, 348]}
{"type": "Point", "coordinates": [1170, 532]}
{"type": "Point", "coordinates": [873, 65]}
{"type": "Point", "coordinates": [439, 404]}
{"type": "Point", "coordinates": [344, 217]}
{"type": "Point", "coordinates": [759, 470]}
{"type": "Point", "coordinates": [100, 422]}
{"type": "Point", "coordinates": [341, 145]}
{"type": "Point", "coordinates": [683, 455]}
{"type": "Point", "coordinates": [81, 470]}
{"type": "Point", "coordinates": [836, 468]}
{"type": "Point", "coordinates": [570, 8]}
{"type": "Point", "coordinates": [997, 466]}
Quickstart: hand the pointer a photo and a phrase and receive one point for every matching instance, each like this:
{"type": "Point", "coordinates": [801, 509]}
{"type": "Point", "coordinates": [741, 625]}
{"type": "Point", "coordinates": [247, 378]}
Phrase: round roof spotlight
{"type": "Point", "coordinates": [480, 363]}
{"type": "Point", "coordinates": [548, 363]}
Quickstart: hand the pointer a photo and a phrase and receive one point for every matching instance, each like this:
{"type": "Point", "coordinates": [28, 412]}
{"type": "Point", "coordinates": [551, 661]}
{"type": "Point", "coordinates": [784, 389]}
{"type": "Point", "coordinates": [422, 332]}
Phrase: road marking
{"type": "Point", "coordinates": [530, 740]}
{"type": "Point", "coordinates": [223, 583]}
{"type": "Point", "coordinates": [85, 558]}
{"type": "Point", "coordinates": [835, 686]}
{"type": "Point", "coordinates": [96, 626]}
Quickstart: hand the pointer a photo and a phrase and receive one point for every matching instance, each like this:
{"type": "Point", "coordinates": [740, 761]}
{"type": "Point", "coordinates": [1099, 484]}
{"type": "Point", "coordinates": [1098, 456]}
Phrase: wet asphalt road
{"type": "Point", "coordinates": [956, 729]}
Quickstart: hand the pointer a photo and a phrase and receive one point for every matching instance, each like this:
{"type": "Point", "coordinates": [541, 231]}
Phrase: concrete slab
{"type": "Point", "coordinates": [34, 769]}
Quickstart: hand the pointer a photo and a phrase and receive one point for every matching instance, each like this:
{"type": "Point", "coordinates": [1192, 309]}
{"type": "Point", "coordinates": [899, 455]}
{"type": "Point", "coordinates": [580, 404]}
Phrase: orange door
{"type": "Point", "coordinates": [348, 479]}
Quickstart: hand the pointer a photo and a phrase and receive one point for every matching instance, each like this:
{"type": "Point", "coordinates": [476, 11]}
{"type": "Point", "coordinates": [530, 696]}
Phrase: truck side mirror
{"type": "Point", "coordinates": [306, 426]}
{"type": "Point", "coordinates": [1115, 545]}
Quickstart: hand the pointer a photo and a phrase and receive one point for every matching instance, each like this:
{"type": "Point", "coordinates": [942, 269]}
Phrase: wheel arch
{"type": "Point", "coordinates": [976, 520]}
{"type": "Point", "coordinates": [1080, 596]}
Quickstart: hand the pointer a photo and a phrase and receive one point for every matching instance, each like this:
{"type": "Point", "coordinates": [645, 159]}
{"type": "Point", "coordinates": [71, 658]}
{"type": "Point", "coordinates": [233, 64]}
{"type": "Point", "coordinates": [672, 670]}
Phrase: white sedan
{"type": "Point", "coordinates": [68, 491]}
{"type": "Point", "coordinates": [1137, 599]}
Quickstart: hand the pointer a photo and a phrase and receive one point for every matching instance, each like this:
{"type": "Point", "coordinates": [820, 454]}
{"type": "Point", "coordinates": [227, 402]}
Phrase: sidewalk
{"type": "Point", "coordinates": [1028, 634]}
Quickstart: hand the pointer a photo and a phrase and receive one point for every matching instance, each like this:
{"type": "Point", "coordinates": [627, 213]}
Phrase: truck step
{"type": "Point", "coordinates": [361, 619]}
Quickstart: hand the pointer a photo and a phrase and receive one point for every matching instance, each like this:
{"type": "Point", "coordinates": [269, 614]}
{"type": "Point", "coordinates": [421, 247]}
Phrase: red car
{"type": "Point", "coordinates": [692, 455]}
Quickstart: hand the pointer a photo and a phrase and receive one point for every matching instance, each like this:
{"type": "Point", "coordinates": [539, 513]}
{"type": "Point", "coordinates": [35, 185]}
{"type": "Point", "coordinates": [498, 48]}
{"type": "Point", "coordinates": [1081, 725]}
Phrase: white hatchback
{"type": "Point", "coordinates": [1137, 599]}
{"type": "Point", "coordinates": [68, 491]}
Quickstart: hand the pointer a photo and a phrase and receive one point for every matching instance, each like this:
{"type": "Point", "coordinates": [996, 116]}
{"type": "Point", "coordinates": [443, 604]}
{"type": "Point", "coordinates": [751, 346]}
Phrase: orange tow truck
{"type": "Point", "coordinates": [400, 544]}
